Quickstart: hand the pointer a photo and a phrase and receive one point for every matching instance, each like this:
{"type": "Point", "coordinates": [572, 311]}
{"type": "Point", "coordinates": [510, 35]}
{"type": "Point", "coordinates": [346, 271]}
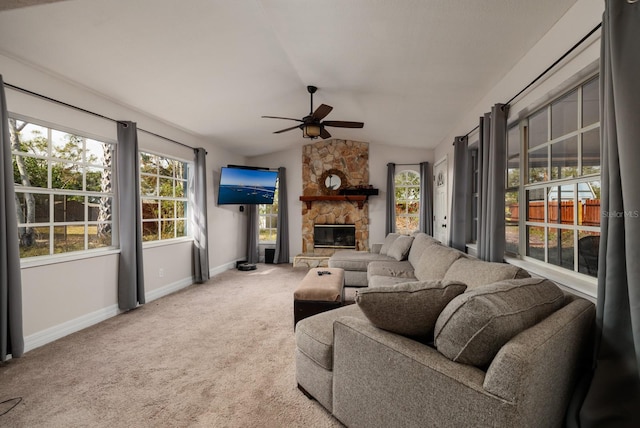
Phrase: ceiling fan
{"type": "Point", "coordinates": [311, 125]}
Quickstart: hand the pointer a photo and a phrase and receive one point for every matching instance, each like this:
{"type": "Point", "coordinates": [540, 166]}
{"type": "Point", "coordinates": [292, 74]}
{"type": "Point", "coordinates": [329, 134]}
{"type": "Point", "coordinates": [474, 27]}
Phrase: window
{"type": "Point", "coordinates": [64, 197]}
{"type": "Point", "coordinates": [163, 190]}
{"type": "Point", "coordinates": [407, 184]}
{"type": "Point", "coordinates": [562, 187]}
{"type": "Point", "coordinates": [268, 220]}
{"type": "Point", "coordinates": [512, 191]}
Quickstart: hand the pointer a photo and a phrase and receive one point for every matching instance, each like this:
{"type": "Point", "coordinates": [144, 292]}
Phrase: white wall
{"type": "Point", "coordinates": [63, 296]}
{"type": "Point", "coordinates": [574, 25]}
{"type": "Point", "coordinates": [379, 156]}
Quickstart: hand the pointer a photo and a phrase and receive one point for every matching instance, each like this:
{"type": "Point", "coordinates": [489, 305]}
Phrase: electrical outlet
{"type": "Point", "coordinates": [161, 272]}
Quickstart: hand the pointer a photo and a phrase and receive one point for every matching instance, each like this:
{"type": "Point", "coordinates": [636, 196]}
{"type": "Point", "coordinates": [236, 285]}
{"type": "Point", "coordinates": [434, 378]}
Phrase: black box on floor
{"type": "Point", "coordinates": [269, 254]}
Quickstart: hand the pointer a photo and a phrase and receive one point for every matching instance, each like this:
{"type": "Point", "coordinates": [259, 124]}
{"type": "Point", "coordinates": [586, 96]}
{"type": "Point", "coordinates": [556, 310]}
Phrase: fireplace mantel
{"type": "Point", "coordinates": [359, 199]}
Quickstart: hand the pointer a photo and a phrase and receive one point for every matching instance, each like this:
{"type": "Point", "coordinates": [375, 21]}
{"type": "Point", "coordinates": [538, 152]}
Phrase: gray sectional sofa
{"type": "Point", "coordinates": [502, 349]}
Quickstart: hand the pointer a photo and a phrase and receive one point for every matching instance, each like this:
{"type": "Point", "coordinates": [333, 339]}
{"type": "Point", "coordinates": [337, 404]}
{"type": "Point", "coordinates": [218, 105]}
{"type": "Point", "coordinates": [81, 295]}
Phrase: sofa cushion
{"type": "Point", "coordinates": [475, 272]}
{"type": "Point", "coordinates": [420, 243]}
{"type": "Point", "coordinates": [353, 260]}
{"type": "Point", "coordinates": [475, 325]}
{"type": "Point", "coordinates": [409, 309]}
{"type": "Point", "coordinates": [385, 281]}
{"type": "Point", "coordinates": [435, 261]}
{"type": "Point", "coordinates": [388, 240]}
{"type": "Point", "coordinates": [314, 335]}
{"type": "Point", "coordinates": [401, 269]}
{"type": "Point", "coordinates": [399, 250]}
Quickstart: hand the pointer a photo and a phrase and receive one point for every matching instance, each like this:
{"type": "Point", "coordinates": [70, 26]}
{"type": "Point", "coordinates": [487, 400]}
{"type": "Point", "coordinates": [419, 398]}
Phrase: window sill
{"type": "Point", "coordinates": [165, 242]}
{"type": "Point", "coordinates": [577, 283]}
{"type": "Point", "coordinates": [65, 258]}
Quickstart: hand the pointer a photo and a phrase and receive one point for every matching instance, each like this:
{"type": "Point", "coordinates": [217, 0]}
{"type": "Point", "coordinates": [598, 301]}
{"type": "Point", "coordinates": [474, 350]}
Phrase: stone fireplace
{"type": "Point", "coordinates": [352, 159]}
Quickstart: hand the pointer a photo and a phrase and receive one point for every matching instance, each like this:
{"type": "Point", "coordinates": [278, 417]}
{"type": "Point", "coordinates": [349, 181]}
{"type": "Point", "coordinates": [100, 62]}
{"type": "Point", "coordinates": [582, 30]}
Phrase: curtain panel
{"type": "Point", "coordinates": [492, 146]}
{"type": "Point", "coordinates": [614, 394]}
{"type": "Point", "coordinates": [281, 254]}
{"type": "Point", "coordinates": [426, 198]}
{"type": "Point", "coordinates": [390, 209]}
{"type": "Point", "coordinates": [130, 270]}
{"type": "Point", "coordinates": [460, 214]}
{"type": "Point", "coordinates": [198, 196]}
{"type": "Point", "coordinates": [11, 335]}
{"type": "Point", "coordinates": [252, 234]}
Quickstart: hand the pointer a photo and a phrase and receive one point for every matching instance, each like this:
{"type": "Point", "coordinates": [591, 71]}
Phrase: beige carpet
{"type": "Point", "coordinates": [218, 354]}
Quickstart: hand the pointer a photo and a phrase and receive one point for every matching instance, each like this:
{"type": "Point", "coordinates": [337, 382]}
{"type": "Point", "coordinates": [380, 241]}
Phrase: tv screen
{"type": "Point", "coordinates": [246, 186]}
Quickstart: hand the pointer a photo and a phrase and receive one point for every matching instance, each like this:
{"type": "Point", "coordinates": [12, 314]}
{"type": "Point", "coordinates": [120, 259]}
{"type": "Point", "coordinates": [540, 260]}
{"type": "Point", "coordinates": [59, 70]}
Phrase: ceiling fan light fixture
{"type": "Point", "coordinates": [311, 131]}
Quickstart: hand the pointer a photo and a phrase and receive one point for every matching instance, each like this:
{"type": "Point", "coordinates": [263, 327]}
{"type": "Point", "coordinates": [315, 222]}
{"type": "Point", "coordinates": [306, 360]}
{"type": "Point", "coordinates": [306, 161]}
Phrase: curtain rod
{"type": "Point", "coordinates": [53, 100]}
{"type": "Point", "coordinates": [556, 62]}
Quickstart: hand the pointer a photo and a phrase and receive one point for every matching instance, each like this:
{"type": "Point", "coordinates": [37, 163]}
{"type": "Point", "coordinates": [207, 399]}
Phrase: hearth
{"type": "Point", "coordinates": [334, 236]}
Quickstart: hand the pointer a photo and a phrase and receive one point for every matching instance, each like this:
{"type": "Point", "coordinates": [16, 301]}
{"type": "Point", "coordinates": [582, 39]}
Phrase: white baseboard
{"type": "Point", "coordinates": [66, 328]}
{"type": "Point", "coordinates": [59, 331]}
{"type": "Point", "coordinates": [168, 289]}
{"type": "Point", "coordinates": [215, 271]}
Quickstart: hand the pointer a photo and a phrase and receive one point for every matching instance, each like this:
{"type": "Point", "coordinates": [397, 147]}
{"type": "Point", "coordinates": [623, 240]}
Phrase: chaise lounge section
{"type": "Point", "coordinates": [395, 257]}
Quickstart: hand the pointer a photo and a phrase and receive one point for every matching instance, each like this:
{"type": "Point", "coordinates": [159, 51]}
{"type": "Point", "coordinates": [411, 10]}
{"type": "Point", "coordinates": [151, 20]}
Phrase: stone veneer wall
{"type": "Point", "coordinates": [350, 157]}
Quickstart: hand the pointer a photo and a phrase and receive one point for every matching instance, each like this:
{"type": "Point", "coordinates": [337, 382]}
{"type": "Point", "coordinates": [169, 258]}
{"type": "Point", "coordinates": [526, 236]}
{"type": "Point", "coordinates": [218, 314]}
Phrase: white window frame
{"type": "Point", "coordinates": [407, 214]}
{"type": "Point", "coordinates": [52, 224]}
{"type": "Point", "coordinates": [155, 196]}
{"type": "Point", "coordinates": [268, 214]}
{"type": "Point", "coordinates": [525, 186]}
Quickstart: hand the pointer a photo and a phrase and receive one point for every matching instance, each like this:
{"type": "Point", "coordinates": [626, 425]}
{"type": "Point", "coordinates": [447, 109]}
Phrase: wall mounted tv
{"type": "Point", "coordinates": [246, 185]}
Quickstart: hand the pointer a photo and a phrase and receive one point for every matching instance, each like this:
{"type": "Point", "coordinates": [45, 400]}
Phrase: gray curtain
{"type": "Point", "coordinates": [198, 196]}
{"type": "Point", "coordinates": [426, 198]}
{"type": "Point", "coordinates": [130, 271]}
{"type": "Point", "coordinates": [252, 234]}
{"type": "Point", "coordinates": [390, 209]}
{"type": "Point", "coordinates": [459, 211]}
{"type": "Point", "coordinates": [614, 395]}
{"type": "Point", "coordinates": [11, 339]}
{"type": "Point", "coordinates": [281, 254]}
{"type": "Point", "coordinates": [492, 147]}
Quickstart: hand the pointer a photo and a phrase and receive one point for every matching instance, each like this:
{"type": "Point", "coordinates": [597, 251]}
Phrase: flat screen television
{"type": "Point", "coordinates": [246, 186]}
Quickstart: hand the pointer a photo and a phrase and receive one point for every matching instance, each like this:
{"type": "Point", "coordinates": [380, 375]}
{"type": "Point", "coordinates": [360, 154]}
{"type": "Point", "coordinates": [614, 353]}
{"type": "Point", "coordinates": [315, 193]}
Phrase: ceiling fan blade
{"type": "Point", "coordinates": [321, 112]}
{"type": "Point", "coordinates": [287, 129]}
{"type": "Point", "coordinates": [343, 124]}
{"type": "Point", "coordinates": [278, 117]}
{"type": "Point", "coordinates": [324, 134]}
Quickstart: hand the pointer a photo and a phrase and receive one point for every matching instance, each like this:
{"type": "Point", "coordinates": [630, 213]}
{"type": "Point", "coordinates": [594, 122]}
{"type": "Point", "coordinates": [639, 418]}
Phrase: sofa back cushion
{"type": "Point", "coordinates": [387, 243]}
{"type": "Point", "coordinates": [475, 272]}
{"type": "Point", "coordinates": [410, 308]}
{"type": "Point", "coordinates": [399, 250]}
{"type": "Point", "coordinates": [420, 243]}
{"type": "Point", "coordinates": [475, 325]}
{"type": "Point", "coordinates": [435, 261]}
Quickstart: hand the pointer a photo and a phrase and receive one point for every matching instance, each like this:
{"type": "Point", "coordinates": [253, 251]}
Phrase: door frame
{"type": "Point", "coordinates": [443, 160]}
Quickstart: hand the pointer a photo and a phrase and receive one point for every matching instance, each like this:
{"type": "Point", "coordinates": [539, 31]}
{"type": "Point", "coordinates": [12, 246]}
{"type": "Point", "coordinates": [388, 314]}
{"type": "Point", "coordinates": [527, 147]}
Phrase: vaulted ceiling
{"type": "Point", "coordinates": [408, 69]}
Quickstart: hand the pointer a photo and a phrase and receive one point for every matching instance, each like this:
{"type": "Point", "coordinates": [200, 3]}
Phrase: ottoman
{"type": "Point", "coordinates": [320, 290]}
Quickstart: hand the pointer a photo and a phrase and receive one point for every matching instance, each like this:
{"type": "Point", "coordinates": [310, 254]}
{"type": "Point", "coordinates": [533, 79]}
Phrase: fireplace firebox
{"type": "Point", "coordinates": [334, 236]}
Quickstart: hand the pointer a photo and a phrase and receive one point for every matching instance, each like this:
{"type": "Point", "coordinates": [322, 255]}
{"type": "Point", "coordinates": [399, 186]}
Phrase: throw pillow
{"type": "Point", "coordinates": [387, 243]}
{"type": "Point", "coordinates": [475, 325]}
{"type": "Point", "coordinates": [410, 308]}
{"type": "Point", "coordinates": [400, 248]}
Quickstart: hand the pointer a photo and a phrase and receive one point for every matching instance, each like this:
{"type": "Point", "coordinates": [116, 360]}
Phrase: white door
{"type": "Point", "coordinates": [440, 202]}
